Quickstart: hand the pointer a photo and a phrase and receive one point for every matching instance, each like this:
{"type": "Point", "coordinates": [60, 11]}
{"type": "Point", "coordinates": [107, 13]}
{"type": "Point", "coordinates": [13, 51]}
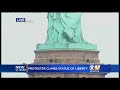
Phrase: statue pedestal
{"type": "Point", "coordinates": [66, 46]}
{"type": "Point", "coordinates": [66, 57]}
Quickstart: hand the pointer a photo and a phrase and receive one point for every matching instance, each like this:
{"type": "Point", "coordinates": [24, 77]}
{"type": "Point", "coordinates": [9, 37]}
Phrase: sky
{"type": "Point", "coordinates": [19, 39]}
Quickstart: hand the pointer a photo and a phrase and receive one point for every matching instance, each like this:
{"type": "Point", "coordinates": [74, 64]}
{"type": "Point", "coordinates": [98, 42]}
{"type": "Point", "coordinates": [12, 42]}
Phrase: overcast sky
{"type": "Point", "coordinates": [19, 39]}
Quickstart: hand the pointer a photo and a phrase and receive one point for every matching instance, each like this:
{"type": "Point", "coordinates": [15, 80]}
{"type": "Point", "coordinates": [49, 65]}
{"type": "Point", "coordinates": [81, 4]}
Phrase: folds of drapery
{"type": "Point", "coordinates": [64, 20]}
{"type": "Point", "coordinates": [68, 24]}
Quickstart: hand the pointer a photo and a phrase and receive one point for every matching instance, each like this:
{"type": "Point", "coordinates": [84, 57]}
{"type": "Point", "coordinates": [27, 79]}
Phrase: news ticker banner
{"type": "Point", "coordinates": [63, 68]}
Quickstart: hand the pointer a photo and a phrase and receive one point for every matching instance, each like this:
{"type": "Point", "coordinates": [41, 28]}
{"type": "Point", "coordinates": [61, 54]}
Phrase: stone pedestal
{"type": "Point", "coordinates": [66, 57]}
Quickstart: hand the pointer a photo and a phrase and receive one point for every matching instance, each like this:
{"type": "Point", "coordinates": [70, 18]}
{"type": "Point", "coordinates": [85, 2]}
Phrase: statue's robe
{"type": "Point", "coordinates": [64, 28]}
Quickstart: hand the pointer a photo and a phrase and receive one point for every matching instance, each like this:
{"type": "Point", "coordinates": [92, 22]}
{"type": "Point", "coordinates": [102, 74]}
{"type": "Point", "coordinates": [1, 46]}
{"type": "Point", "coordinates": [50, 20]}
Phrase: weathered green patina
{"type": "Point", "coordinates": [65, 33]}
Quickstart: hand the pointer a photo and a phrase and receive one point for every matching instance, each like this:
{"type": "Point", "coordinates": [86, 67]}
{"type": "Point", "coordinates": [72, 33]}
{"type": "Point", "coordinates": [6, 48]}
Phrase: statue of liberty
{"type": "Point", "coordinates": [65, 28]}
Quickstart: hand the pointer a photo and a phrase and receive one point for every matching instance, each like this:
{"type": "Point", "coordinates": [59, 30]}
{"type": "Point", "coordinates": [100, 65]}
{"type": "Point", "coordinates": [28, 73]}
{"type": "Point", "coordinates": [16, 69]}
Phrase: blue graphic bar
{"type": "Point", "coordinates": [74, 68]}
{"type": "Point", "coordinates": [12, 68]}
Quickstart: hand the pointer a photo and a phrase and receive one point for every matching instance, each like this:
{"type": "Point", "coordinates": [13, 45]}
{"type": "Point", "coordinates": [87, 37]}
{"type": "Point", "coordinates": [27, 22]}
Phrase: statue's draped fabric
{"type": "Point", "coordinates": [64, 28]}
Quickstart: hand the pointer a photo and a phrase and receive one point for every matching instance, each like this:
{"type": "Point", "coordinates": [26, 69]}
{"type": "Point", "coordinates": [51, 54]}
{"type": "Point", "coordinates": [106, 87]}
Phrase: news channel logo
{"type": "Point", "coordinates": [24, 20]}
{"type": "Point", "coordinates": [20, 68]}
{"type": "Point", "coordinates": [95, 68]}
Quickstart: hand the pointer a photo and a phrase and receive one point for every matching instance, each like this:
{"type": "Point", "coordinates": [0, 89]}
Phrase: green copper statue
{"type": "Point", "coordinates": [64, 32]}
